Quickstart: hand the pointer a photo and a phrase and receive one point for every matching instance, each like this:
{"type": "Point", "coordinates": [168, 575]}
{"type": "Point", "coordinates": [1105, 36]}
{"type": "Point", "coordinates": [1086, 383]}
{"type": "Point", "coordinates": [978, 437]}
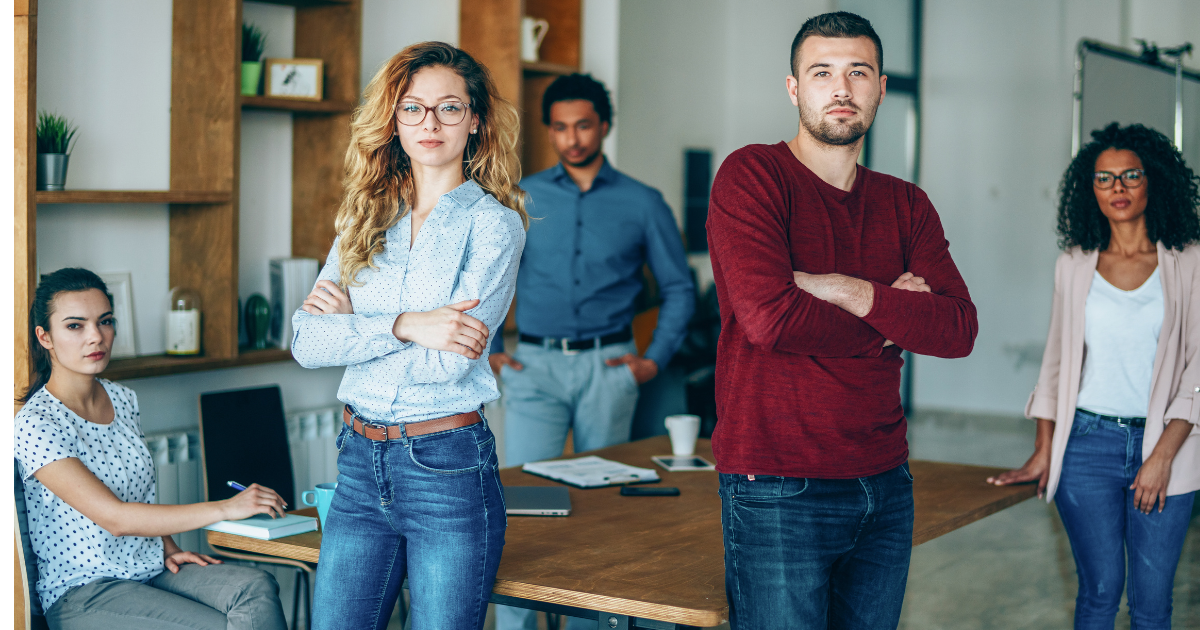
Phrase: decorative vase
{"type": "Point", "coordinates": [258, 321]}
{"type": "Point", "coordinates": [183, 322]}
{"type": "Point", "coordinates": [52, 170]}
{"type": "Point", "coordinates": [251, 73]}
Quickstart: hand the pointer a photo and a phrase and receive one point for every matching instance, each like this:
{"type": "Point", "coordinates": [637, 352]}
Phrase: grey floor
{"type": "Point", "coordinates": [1012, 570]}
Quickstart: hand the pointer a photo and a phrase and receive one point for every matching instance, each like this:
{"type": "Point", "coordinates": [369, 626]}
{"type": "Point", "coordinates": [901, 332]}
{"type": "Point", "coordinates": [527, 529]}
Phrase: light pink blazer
{"type": "Point", "coordinates": [1175, 387]}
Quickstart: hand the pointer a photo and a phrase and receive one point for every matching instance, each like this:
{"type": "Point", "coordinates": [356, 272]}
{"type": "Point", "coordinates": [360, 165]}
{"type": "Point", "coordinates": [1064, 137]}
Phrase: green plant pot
{"type": "Point", "coordinates": [52, 170]}
{"type": "Point", "coordinates": [251, 74]}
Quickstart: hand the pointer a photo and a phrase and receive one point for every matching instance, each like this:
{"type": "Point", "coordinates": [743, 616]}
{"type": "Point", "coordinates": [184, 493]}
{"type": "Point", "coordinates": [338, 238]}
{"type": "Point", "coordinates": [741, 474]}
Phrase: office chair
{"type": "Point", "coordinates": [28, 608]}
{"type": "Point", "coordinates": [243, 438]}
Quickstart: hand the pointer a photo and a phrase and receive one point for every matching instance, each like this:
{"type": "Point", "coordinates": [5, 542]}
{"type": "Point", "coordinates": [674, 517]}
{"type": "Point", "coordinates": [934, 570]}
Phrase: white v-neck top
{"type": "Point", "coordinates": [71, 549]}
{"type": "Point", "coordinates": [1120, 339]}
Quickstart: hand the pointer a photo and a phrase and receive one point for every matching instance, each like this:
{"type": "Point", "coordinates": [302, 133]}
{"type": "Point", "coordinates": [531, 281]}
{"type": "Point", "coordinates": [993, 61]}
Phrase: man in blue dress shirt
{"type": "Point", "coordinates": [591, 231]}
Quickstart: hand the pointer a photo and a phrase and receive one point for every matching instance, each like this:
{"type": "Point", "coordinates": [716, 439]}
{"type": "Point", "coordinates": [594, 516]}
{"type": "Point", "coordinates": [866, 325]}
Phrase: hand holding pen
{"type": "Point", "coordinates": [251, 500]}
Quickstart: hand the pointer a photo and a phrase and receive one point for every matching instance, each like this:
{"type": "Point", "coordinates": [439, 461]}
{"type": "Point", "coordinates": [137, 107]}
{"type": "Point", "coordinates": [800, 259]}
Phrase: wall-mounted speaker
{"type": "Point", "coordinates": [697, 182]}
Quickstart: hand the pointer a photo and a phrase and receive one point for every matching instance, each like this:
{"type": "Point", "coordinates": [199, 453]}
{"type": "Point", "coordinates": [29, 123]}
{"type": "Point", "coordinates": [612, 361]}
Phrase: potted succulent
{"type": "Point", "coordinates": [253, 41]}
{"type": "Point", "coordinates": [54, 137]}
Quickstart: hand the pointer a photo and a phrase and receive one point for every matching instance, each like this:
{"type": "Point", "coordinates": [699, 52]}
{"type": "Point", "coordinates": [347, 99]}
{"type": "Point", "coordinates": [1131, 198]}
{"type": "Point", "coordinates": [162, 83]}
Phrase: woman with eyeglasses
{"type": "Point", "coordinates": [420, 277]}
{"type": "Point", "coordinates": [1118, 399]}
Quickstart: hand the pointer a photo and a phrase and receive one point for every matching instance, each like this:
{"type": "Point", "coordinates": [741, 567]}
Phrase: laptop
{"type": "Point", "coordinates": [537, 501]}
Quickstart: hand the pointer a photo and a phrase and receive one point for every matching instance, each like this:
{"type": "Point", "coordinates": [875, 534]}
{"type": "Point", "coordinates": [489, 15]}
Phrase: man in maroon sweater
{"type": "Point", "coordinates": [825, 272]}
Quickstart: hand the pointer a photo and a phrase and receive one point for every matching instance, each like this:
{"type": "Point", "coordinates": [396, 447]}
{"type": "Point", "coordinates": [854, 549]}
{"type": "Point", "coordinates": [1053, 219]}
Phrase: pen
{"type": "Point", "coordinates": [235, 485]}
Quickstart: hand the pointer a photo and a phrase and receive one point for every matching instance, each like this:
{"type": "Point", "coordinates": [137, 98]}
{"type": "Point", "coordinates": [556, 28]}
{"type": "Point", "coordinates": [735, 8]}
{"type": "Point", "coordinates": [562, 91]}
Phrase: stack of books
{"type": "Point", "coordinates": [292, 279]}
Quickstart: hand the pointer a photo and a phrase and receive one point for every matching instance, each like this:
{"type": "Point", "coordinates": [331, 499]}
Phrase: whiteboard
{"type": "Point", "coordinates": [1115, 85]}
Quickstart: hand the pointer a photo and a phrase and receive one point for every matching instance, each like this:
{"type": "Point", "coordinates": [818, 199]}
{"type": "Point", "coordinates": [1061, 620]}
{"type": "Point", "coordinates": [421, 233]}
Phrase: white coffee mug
{"type": "Point", "coordinates": [533, 31]}
{"type": "Point", "coordinates": [683, 429]}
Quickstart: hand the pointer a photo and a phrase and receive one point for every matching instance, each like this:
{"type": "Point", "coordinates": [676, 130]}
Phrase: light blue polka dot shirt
{"type": "Point", "coordinates": [468, 248]}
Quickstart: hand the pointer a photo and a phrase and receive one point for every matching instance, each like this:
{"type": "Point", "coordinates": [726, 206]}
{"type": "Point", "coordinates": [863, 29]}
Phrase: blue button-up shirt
{"type": "Point", "coordinates": [467, 249]}
{"type": "Point", "coordinates": [582, 266]}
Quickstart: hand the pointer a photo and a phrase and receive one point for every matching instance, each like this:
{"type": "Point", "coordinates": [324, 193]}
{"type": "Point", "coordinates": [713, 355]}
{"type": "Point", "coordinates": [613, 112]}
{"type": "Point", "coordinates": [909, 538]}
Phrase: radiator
{"type": "Point", "coordinates": [179, 478]}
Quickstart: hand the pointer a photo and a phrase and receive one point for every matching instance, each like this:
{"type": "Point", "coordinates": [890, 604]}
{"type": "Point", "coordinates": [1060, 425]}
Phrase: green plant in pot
{"type": "Point", "coordinates": [54, 138]}
{"type": "Point", "coordinates": [253, 41]}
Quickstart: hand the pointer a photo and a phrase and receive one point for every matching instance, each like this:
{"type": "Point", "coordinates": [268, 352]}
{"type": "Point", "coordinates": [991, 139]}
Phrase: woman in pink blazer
{"type": "Point", "coordinates": [1118, 400]}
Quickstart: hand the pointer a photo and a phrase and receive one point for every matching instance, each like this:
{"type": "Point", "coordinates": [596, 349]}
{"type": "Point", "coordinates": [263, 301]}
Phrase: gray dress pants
{"type": "Point", "coordinates": [215, 597]}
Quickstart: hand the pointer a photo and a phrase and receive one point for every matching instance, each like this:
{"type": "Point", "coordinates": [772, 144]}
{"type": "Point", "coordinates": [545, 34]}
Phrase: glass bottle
{"type": "Point", "coordinates": [183, 322]}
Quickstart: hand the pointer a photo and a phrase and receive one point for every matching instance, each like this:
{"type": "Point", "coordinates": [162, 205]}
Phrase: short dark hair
{"type": "Point", "coordinates": [839, 24]}
{"type": "Point", "coordinates": [577, 87]}
{"type": "Point", "coordinates": [1172, 198]}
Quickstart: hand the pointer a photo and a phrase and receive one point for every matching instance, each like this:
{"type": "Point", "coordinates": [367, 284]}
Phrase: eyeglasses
{"type": "Point", "coordinates": [1131, 178]}
{"type": "Point", "coordinates": [411, 113]}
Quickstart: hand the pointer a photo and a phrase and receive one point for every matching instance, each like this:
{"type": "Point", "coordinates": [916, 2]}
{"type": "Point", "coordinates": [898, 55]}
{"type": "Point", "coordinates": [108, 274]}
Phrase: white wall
{"type": "Point", "coordinates": [996, 140]}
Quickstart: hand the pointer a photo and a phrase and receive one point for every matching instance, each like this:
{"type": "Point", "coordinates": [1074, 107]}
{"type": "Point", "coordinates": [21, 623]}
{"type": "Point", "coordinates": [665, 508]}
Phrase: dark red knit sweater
{"type": "Point", "coordinates": [804, 388]}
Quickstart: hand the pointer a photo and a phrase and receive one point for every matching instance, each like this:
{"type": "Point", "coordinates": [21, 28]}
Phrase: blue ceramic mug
{"type": "Point", "coordinates": [323, 496]}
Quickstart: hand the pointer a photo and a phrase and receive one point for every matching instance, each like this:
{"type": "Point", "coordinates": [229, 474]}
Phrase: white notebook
{"type": "Point", "coordinates": [264, 527]}
{"type": "Point", "coordinates": [590, 472]}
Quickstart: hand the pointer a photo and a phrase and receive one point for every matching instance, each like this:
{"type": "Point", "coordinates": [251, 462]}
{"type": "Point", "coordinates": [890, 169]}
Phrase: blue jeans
{"type": "Point", "coordinates": [430, 507]}
{"type": "Point", "coordinates": [816, 553]}
{"type": "Point", "coordinates": [557, 392]}
{"type": "Point", "coordinates": [1096, 506]}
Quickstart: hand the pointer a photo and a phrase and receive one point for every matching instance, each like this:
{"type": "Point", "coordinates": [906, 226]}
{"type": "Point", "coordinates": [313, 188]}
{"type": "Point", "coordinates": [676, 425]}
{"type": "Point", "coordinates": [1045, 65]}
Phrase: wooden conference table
{"type": "Point", "coordinates": [655, 562]}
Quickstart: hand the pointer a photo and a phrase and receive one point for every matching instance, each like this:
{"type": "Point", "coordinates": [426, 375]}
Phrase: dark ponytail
{"type": "Point", "coordinates": [69, 280]}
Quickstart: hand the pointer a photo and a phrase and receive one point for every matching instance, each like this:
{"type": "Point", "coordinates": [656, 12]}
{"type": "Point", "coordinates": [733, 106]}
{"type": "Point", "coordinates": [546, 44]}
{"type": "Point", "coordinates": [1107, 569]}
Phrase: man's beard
{"type": "Point", "coordinates": [835, 134]}
{"type": "Point", "coordinates": [588, 159]}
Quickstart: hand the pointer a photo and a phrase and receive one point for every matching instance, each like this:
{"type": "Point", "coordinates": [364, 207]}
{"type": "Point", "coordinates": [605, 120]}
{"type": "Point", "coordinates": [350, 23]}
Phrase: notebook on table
{"type": "Point", "coordinates": [264, 527]}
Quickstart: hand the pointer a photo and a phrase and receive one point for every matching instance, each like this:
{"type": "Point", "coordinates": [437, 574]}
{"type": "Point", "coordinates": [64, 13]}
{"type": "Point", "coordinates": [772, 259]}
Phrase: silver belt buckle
{"type": "Point", "coordinates": [566, 348]}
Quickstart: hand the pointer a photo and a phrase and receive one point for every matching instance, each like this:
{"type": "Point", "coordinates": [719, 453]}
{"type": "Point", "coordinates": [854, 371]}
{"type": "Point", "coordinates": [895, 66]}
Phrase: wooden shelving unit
{"type": "Point", "coordinates": [294, 105]}
{"type": "Point", "coordinates": [491, 31]}
{"type": "Point", "coordinates": [206, 109]}
{"type": "Point", "coordinates": [163, 364]}
{"type": "Point", "coordinates": [132, 196]}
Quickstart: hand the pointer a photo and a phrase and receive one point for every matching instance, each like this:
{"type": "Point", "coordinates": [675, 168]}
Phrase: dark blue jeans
{"type": "Point", "coordinates": [816, 553]}
{"type": "Point", "coordinates": [1096, 506]}
{"type": "Point", "coordinates": [430, 507]}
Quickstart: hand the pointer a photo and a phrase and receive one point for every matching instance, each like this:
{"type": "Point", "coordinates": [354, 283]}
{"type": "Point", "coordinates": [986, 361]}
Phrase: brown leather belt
{"type": "Point", "coordinates": [384, 432]}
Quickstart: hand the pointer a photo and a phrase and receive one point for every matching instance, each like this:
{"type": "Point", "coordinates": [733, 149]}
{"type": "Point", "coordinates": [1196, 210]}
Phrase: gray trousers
{"type": "Point", "coordinates": [215, 597]}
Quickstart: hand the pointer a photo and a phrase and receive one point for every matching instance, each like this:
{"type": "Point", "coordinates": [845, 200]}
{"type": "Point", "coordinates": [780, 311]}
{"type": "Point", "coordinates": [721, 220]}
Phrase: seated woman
{"type": "Point", "coordinates": [100, 541]}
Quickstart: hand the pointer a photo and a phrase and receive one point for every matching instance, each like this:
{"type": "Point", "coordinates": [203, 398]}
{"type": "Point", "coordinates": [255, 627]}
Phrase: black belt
{"type": "Point", "coordinates": [567, 345]}
{"type": "Point", "coordinates": [1125, 422]}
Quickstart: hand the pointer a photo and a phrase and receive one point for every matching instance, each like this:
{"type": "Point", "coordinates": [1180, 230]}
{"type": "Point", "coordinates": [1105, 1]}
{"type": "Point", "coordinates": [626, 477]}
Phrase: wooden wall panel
{"type": "Point", "coordinates": [490, 30]}
{"type": "Point", "coordinates": [536, 152]}
{"type": "Point", "coordinates": [205, 126]}
{"type": "Point", "coordinates": [319, 142]}
{"type": "Point", "coordinates": [24, 183]}
{"type": "Point", "coordinates": [561, 44]}
{"type": "Point", "coordinates": [318, 145]}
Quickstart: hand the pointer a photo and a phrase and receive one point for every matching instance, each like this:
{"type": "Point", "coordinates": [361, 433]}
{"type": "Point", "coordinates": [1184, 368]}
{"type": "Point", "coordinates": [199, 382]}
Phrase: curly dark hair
{"type": "Point", "coordinates": [577, 87]}
{"type": "Point", "coordinates": [1173, 195]}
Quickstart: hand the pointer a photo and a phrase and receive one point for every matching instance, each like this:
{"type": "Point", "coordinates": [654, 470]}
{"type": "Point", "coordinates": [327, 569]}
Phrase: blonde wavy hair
{"type": "Point", "coordinates": [379, 184]}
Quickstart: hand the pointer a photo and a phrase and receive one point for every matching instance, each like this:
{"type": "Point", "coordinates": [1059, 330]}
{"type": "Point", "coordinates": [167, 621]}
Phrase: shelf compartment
{"type": "Point", "coordinates": [294, 105]}
{"type": "Point", "coordinates": [300, 4]}
{"type": "Point", "coordinates": [545, 67]}
{"type": "Point", "coordinates": [133, 196]}
{"type": "Point", "coordinates": [163, 364]}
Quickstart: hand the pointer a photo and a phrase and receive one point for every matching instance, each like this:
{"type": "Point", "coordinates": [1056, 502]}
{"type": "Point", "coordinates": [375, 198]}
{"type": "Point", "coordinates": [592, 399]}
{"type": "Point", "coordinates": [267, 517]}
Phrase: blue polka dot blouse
{"type": "Point", "coordinates": [468, 248]}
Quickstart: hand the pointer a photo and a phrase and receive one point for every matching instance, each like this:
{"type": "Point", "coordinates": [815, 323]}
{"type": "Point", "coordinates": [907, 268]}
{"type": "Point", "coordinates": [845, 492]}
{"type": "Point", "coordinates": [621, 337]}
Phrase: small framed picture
{"type": "Point", "coordinates": [301, 79]}
{"type": "Point", "coordinates": [121, 287]}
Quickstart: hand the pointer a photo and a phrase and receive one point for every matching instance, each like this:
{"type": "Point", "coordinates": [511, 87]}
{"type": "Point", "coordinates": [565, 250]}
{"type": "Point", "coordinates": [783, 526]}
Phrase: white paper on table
{"type": "Point", "coordinates": [591, 471]}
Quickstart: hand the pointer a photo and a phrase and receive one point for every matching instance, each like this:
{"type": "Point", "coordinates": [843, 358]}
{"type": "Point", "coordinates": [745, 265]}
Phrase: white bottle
{"type": "Point", "coordinates": [183, 322]}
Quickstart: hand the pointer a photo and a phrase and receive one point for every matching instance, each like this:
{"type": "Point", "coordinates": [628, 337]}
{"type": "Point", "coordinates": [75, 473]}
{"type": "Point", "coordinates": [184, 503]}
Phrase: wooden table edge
{"type": "Point", "coordinates": [246, 543]}
{"type": "Point", "coordinates": [613, 605]}
{"type": "Point", "coordinates": [945, 527]}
